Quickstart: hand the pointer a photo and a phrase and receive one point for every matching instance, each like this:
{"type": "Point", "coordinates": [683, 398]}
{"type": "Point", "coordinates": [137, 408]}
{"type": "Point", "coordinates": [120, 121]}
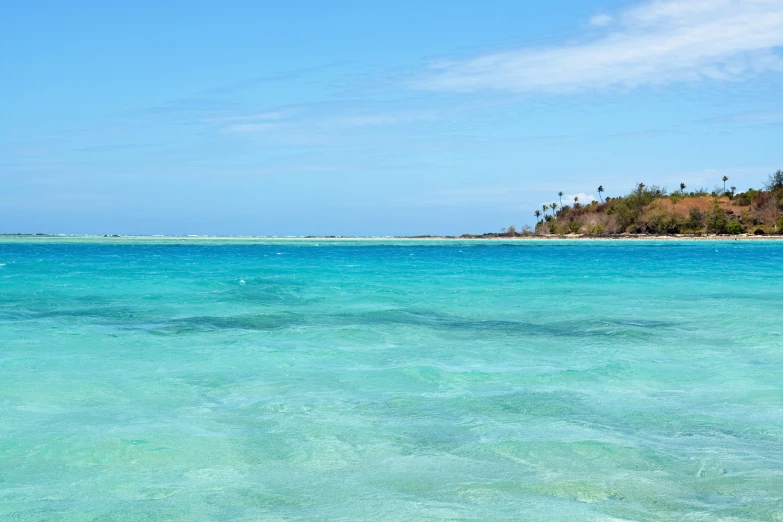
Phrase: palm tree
{"type": "Point", "coordinates": [538, 215]}
{"type": "Point", "coordinates": [682, 187]}
{"type": "Point", "coordinates": [554, 206]}
{"type": "Point", "coordinates": [576, 201]}
{"type": "Point", "coordinates": [561, 198]}
{"type": "Point", "coordinates": [545, 208]}
{"type": "Point", "coordinates": [725, 179]}
{"type": "Point", "coordinates": [733, 190]}
{"type": "Point", "coordinates": [600, 189]}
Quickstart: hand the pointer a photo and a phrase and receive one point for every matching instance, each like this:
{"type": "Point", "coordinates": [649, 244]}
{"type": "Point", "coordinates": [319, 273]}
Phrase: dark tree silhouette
{"type": "Point", "coordinates": [775, 180]}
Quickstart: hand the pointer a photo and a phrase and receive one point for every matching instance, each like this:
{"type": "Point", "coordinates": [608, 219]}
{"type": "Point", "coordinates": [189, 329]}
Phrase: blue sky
{"type": "Point", "coordinates": [356, 118]}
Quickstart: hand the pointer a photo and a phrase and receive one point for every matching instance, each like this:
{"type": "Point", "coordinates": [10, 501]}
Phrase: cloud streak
{"type": "Point", "coordinates": [254, 124]}
{"type": "Point", "coordinates": [568, 199]}
{"type": "Point", "coordinates": [654, 43]}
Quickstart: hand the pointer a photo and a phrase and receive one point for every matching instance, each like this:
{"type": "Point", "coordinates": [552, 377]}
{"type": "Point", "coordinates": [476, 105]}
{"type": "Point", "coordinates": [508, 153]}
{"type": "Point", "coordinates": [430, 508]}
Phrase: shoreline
{"type": "Point", "coordinates": [10, 238]}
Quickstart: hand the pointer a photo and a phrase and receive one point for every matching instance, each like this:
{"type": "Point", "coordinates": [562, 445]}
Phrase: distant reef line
{"type": "Point", "coordinates": [645, 213]}
{"type": "Point", "coordinates": [489, 237]}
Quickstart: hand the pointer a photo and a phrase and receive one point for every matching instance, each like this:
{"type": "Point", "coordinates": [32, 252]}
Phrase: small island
{"type": "Point", "coordinates": [654, 211]}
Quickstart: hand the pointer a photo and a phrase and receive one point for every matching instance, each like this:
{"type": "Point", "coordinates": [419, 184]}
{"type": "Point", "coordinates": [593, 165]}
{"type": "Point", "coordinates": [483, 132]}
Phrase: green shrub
{"type": "Point", "coordinates": [780, 226]}
{"type": "Point", "coordinates": [734, 227]}
{"type": "Point", "coordinates": [716, 221]}
{"type": "Point", "coordinates": [622, 211]}
{"type": "Point", "coordinates": [574, 227]}
{"type": "Point", "coordinates": [664, 224]}
{"type": "Point", "coordinates": [598, 229]}
{"type": "Point", "coordinates": [746, 198]}
{"type": "Point", "coordinates": [695, 219]}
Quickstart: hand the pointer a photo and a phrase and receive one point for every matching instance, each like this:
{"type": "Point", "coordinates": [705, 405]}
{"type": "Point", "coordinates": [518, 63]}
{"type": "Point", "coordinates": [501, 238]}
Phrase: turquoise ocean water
{"type": "Point", "coordinates": [391, 381]}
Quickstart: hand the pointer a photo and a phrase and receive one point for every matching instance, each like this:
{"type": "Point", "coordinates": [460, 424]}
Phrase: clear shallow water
{"type": "Point", "coordinates": [400, 381]}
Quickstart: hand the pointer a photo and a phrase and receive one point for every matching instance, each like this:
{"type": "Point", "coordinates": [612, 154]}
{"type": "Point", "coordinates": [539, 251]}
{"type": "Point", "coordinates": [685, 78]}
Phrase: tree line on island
{"type": "Point", "coordinates": [654, 210]}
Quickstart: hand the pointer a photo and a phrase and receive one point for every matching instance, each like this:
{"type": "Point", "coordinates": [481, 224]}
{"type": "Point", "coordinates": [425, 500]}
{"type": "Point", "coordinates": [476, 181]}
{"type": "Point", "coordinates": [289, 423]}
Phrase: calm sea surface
{"type": "Point", "coordinates": [391, 381]}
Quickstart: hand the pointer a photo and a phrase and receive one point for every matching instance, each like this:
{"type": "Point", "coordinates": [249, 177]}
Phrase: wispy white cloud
{"type": "Point", "coordinates": [375, 120]}
{"type": "Point", "coordinates": [750, 118]}
{"type": "Point", "coordinates": [249, 127]}
{"type": "Point", "coordinates": [253, 124]}
{"type": "Point", "coordinates": [261, 116]}
{"type": "Point", "coordinates": [568, 199]}
{"type": "Point", "coordinates": [657, 42]}
{"type": "Point", "coordinates": [601, 20]}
